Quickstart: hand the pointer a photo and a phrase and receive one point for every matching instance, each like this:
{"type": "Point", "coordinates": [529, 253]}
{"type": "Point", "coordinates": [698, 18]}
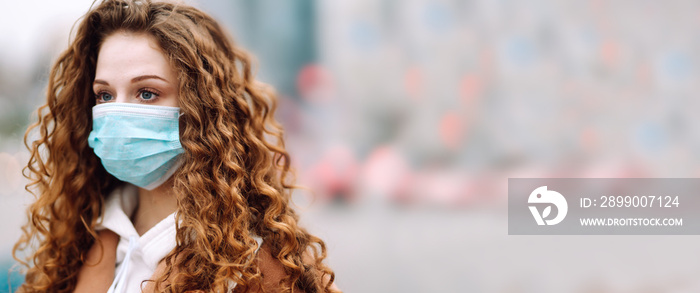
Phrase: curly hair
{"type": "Point", "coordinates": [235, 180]}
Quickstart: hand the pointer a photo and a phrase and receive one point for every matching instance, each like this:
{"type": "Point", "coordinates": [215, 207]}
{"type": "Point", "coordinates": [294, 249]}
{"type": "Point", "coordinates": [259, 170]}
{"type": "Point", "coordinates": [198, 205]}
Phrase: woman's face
{"type": "Point", "coordinates": [131, 68]}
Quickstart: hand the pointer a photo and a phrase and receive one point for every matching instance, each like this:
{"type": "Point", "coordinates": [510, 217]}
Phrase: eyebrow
{"type": "Point", "coordinates": [133, 80]}
{"type": "Point", "coordinates": [144, 77]}
{"type": "Point", "coordinates": [100, 82]}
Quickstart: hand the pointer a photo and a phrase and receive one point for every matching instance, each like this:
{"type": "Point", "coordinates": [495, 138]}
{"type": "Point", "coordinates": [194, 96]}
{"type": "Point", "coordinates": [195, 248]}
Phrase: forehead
{"type": "Point", "coordinates": [125, 54]}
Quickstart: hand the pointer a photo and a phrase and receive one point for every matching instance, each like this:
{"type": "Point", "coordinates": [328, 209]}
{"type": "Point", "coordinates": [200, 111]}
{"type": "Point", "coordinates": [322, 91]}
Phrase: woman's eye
{"type": "Point", "coordinates": [146, 95]}
{"type": "Point", "coordinates": [104, 97]}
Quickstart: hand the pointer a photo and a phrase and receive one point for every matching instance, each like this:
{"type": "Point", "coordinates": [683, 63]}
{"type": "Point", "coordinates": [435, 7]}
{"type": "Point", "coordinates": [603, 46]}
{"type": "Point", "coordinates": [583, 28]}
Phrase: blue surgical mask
{"type": "Point", "coordinates": [137, 143]}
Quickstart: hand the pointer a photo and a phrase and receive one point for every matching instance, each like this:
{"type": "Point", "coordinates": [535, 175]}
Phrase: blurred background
{"type": "Point", "coordinates": [406, 117]}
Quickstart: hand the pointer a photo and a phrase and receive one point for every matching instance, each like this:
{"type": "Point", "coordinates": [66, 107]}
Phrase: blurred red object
{"type": "Point", "coordinates": [451, 130]}
{"type": "Point", "coordinates": [334, 176]}
{"type": "Point", "coordinates": [386, 174]}
{"type": "Point", "coordinates": [315, 83]}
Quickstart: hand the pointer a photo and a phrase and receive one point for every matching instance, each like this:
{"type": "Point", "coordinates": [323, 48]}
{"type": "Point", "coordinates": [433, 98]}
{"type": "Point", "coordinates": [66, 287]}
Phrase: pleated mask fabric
{"type": "Point", "coordinates": [137, 143]}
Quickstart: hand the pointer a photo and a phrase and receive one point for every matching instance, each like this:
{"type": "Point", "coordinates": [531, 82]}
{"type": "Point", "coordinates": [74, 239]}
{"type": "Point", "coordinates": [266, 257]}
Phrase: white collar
{"type": "Point", "coordinates": [152, 246]}
{"type": "Point", "coordinates": [155, 244]}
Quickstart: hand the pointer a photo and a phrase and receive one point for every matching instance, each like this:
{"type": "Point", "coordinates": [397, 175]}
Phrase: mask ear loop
{"type": "Point", "coordinates": [180, 113]}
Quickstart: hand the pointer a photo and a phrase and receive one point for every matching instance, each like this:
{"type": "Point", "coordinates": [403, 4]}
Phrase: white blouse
{"type": "Point", "coordinates": [137, 256]}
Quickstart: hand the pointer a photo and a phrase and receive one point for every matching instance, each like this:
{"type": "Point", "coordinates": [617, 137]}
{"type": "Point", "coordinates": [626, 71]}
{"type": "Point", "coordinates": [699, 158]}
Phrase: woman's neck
{"type": "Point", "coordinates": [154, 205]}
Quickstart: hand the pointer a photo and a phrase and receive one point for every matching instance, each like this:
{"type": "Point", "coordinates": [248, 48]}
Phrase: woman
{"type": "Point", "coordinates": [154, 156]}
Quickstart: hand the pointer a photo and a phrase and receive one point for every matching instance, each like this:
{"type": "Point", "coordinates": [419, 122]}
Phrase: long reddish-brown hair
{"type": "Point", "coordinates": [235, 181]}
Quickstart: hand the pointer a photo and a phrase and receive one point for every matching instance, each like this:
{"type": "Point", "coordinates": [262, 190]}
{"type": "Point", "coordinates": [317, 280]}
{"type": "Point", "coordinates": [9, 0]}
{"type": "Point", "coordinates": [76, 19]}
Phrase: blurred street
{"type": "Point", "coordinates": [392, 249]}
